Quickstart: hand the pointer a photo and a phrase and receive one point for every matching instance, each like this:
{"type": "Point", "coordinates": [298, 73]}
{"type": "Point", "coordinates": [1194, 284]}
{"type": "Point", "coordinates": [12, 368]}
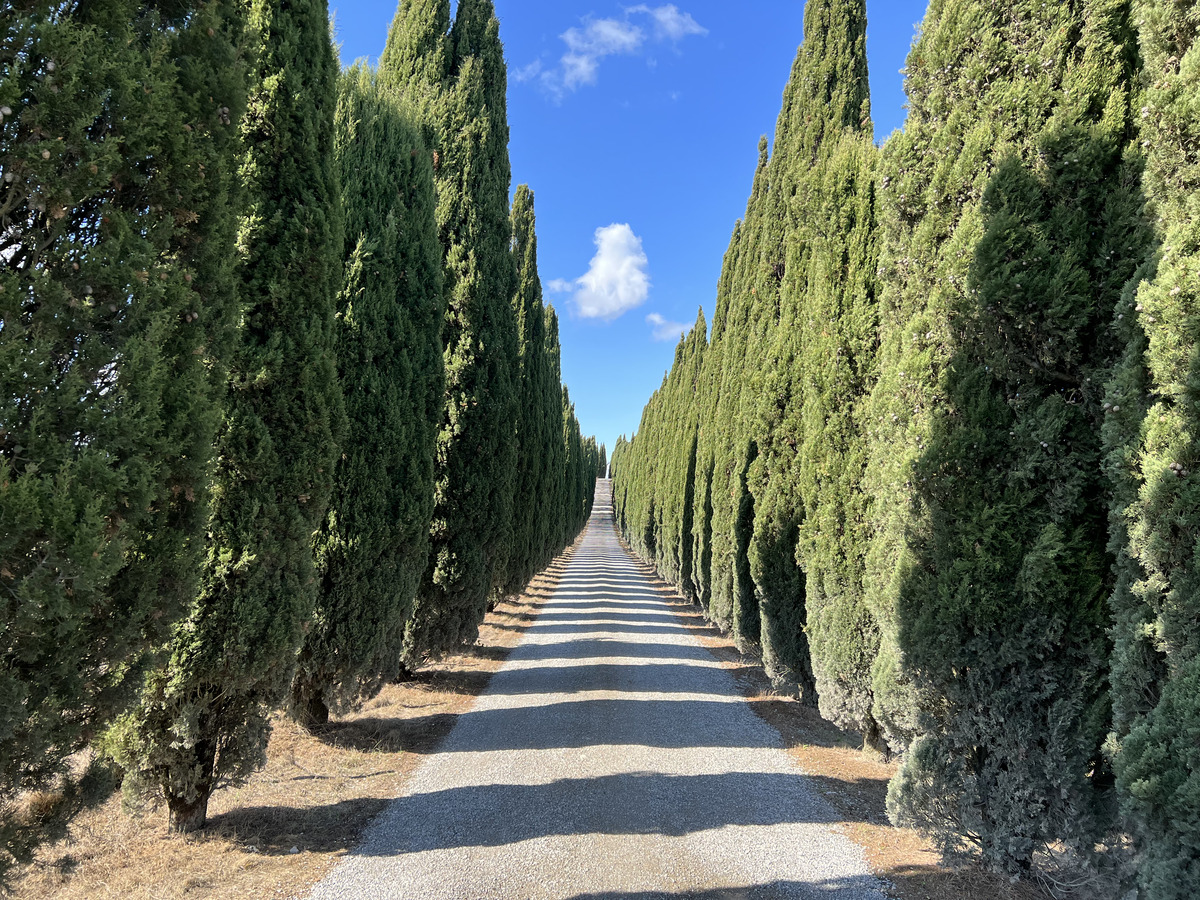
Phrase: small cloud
{"type": "Point", "coordinates": [616, 281]}
{"type": "Point", "coordinates": [596, 39]}
{"type": "Point", "coordinates": [529, 72]}
{"type": "Point", "coordinates": [587, 46]}
{"type": "Point", "coordinates": [663, 330]}
{"type": "Point", "coordinates": [604, 37]}
{"type": "Point", "coordinates": [669, 23]}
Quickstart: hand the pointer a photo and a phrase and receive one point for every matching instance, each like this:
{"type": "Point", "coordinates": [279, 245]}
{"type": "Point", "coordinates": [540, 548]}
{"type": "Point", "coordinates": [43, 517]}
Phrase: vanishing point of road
{"type": "Point", "coordinates": [612, 757]}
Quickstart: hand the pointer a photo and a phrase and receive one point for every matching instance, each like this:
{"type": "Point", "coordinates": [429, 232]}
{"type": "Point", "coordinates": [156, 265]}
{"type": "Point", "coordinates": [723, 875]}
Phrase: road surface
{"type": "Point", "coordinates": [611, 757]}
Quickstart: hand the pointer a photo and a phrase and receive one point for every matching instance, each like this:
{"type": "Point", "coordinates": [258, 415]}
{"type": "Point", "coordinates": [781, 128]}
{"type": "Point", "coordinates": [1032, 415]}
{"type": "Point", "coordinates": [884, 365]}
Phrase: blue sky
{"type": "Point", "coordinates": [637, 126]}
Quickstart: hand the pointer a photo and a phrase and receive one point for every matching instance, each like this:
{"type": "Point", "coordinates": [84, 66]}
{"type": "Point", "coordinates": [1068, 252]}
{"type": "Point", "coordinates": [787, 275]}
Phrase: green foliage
{"type": "Point", "coordinates": [203, 719]}
{"type": "Point", "coordinates": [935, 488]}
{"type": "Point", "coordinates": [675, 498]}
{"type": "Point", "coordinates": [580, 472]}
{"type": "Point", "coordinates": [806, 549]}
{"type": "Point", "coordinates": [374, 545]}
{"type": "Point", "coordinates": [503, 397]}
{"type": "Point", "coordinates": [538, 425]}
{"type": "Point", "coordinates": [713, 485]}
{"type": "Point", "coordinates": [1153, 452]}
{"type": "Point", "coordinates": [729, 449]}
{"type": "Point", "coordinates": [557, 532]}
{"type": "Point", "coordinates": [1000, 611]}
{"type": "Point", "coordinates": [1160, 778]}
{"type": "Point", "coordinates": [476, 449]}
{"type": "Point", "coordinates": [117, 227]}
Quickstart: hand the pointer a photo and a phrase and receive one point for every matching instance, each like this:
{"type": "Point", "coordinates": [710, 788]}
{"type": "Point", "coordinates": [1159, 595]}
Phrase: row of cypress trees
{"type": "Point", "coordinates": [935, 459]}
{"type": "Point", "coordinates": [282, 405]}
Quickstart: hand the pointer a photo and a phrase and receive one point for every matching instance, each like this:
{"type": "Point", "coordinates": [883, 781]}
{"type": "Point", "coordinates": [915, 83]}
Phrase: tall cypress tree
{"type": "Point", "coordinates": [554, 529]}
{"type": "Point", "coordinates": [837, 368]}
{"type": "Point", "coordinates": [1014, 227]}
{"type": "Point", "coordinates": [374, 546]}
{"type": "Point", "coordinates": [534, 434]}
{"type": "Point", "coordinates": [807, 534]}
{"type": "Point", "coordinates": [573, 456]}
{"type": "Point", "coordinates": [117, 226]}
{"type": "Point", "coordinates": [587, 476]}
{"type": "Point", "coordinates": [203, 719]}
{"type": "Point", "coordinates": [476, 456]}
{"type": "Point", "coordinates": [619, 483]}
{"type": "Point", "coordinates": [731, 519]}
{"type": "Point", "coordinates": [707, 430]}
{"type": "Point", "coordinates": [757, 284]}
{"type": "Point", "coordinates": [417, 56]}
{"type": "Point", "coordinates": [676, 486]}
{"type": "Point", "coordinates": [602, 468]}
{"type": "Point", "coordinates": [1151, 431]}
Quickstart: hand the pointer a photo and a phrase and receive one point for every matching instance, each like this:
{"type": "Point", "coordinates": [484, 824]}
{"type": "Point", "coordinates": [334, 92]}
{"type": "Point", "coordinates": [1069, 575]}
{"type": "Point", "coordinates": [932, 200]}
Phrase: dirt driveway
{"type": "Point", "coordinates": [611, 757]}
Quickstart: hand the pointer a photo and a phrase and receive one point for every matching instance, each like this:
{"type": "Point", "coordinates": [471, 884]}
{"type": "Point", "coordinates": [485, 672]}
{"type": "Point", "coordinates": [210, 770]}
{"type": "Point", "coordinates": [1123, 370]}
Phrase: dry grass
{"type": "Point", "coordinates": [281, 832]}
{"type": "Point", "coordinates": [854, 781]}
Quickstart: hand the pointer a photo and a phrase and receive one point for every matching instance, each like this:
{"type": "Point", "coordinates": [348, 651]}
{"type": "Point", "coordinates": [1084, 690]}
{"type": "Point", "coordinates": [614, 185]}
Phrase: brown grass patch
{"type": "Point", "coordinates": [853, 780]}
{"type": "Point", "coordinates": [281, 832]}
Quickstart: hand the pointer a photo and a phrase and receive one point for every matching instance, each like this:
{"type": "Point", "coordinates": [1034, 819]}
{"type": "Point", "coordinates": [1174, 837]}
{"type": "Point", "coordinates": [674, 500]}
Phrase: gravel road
{"type": "Point", "coordinates": [611, 757]}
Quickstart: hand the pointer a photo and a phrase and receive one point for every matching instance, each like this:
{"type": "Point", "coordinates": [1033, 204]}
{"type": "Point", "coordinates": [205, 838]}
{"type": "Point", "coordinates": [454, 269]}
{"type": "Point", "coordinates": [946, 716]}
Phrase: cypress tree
{"type": "Point", "coordinates": [587, 477]}
{"type": "Point", "coordinates": [573, 455]}
{"type": "Point", "coordinates": [602, 467]}
{"type": "Point", "coordinates": [733, 451]}
{"type": "Point", "coordinates": [707, 397]}
{"type": "Point", "coordinates": [534, 435]}
{"type": "Point", "coordinates": [643, 528]}
{"type": "Point", "coordinates": [1013, 226]}
{"type": "Point", "coordinates": [117, 225]}
{"type": "Point", "coordinates": [836, 371]}
{"type": "Point", "coordinates": [679, 485]}
{"type": "Point", "coordinates": [654, 493]}
{"type": "Point", "coordinates": [476, 456]}
{"type": "Point", "coordinates": [374, 544]}
{"type": "Point", "coordinates": [664, 464]}
{"type": "Point", "coordinates": [1151, 435]}
{"type": "Point", "coordinates": [619, 484]}
{"type": "Point", "coordinates": [203, 719]}
{"type": "Point", "coordinates": [805, 554]}
{"type": "Point", "coordinates": [554, 529]}
{"type": "Point", "coordinates": [417, 59]}
{"type": "Point", "coordinates": [756, 285]}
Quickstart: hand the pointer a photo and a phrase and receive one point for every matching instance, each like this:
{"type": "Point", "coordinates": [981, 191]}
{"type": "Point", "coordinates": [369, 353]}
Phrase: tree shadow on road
{"type": "Point", "coordinates": [855, 887]}
{"type": "Point", "coordinates": [552, 679]}
{"type": "Point", "coordinates": [599, 648]}
{"type": "Point", "coordinates": [494, 815]}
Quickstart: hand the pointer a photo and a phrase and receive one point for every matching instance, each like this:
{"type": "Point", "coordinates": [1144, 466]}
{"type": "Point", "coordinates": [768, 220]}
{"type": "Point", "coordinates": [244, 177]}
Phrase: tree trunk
{"type": "Point", "coordinates": [403, 673]}
{"type": "Point", "coordinates": [308, 705]}
{"type": "Point", "coordinates": [186, 818]}
{"type": "Point", "coordinates": [189, 815]}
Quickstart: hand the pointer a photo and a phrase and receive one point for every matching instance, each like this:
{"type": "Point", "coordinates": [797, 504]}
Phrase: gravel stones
{"type": "Point", "coordinates": [612, 757]}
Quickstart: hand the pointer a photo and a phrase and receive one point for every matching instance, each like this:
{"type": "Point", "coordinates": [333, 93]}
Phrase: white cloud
{"type": "Point", "coordinates": [669, 23]}
{"type": "Point", "coordinates": [529, 72]}
{"type": "Point", "coordinates": [596, 39]}
{"type": "Point", "coordinates": [663, 330]}
{"type": "Point", "coordinates": [616, 281]}
{"type": "Point", "coordinates": [604, 37]}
